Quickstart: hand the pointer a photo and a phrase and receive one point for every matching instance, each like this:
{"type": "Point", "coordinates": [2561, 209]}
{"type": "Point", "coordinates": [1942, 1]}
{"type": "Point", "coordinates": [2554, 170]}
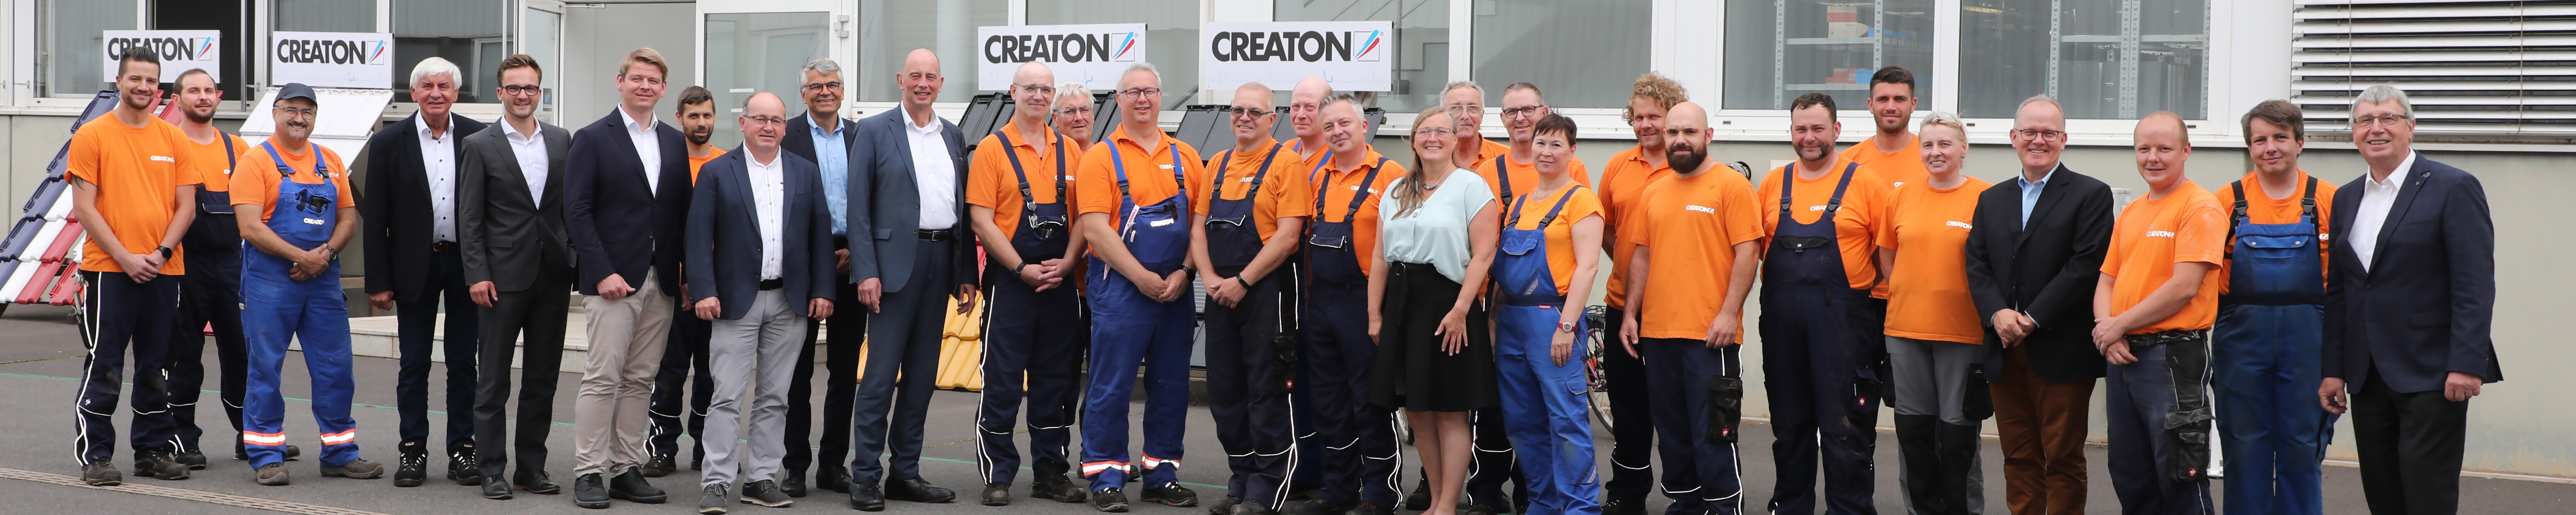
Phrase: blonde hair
{"type": "Point", "coordinates": [646, 56]}
{"type": "Point", "coordinates": [1944, 119]}
{"type": "Point", "coordinates": [1410, 196]}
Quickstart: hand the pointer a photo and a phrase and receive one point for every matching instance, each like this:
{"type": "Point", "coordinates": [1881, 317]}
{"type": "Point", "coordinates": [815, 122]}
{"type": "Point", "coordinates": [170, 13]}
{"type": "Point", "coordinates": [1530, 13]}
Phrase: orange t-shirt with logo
{"type": "Point", "coordinates": [1900, 168]}
{"type": "Point", "coordinates": [215, 166]}
{"type": "Point", "coordinates": [1335, 190]}
{"type": "Point", "coordinates": [1284, 191]}
{"type": "Point", "coordinates": [1690, 227]}
{"type": "Point", "coordinates": [2267, 210]}
{"type": "Point", "coordinates": [137, 172]}
{"type": "Point", "coordinates": [1928, 291]}
{"type": "Point", "coordinates": [1623, 186]}
{"type": "Point", "coordinates": [701, 162]}
{"type": "Point", "coordinates": [1855, 224]}
{"type": "Point", "coordinates": [1580, 203]}
{"type": "Point", "coordinates": [2186, 226]}
{"type": "Point", "coordinates": [990, 181]}
{"type": "Point", "coordinates": [1149, 175]}
{"type": "Point", "coordinates": [256, 181]}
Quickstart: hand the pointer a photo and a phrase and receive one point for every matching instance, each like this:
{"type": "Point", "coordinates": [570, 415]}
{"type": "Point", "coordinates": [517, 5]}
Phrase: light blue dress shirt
{"type": "Point", "coordinates": [834, 158]}
{"type": "Point", "coordinates": [2030, 192]}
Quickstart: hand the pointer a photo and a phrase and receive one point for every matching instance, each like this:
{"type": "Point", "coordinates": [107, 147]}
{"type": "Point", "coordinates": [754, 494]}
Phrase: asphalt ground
{"type": "Point", "coordinates": [40, 359]}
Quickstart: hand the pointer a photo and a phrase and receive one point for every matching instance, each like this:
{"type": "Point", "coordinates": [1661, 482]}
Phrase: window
{"type": "Point", "coordinates": [753, 52]}
{"type": "Point", "coordinates": [2116, 59]}
{"type": "Point", "coordinates": [1779, 49]}
{"type": "Point", "coordinates": [70, 61]}
{"type": "Point", "coordinates": [469, 33]}
{"type": "Point", "coordinates": [2472, 68]}
{"type": "Point", "coordinates": [1421, 36]}
{"type": "Point", "coordinates": [892, 29]}
{"type": "Point", "coordinates": [1171, 40]}
{"type": "Point", "coordinates": [1582, 54]}
{"type": "Point", "coordinates": [323, 16]}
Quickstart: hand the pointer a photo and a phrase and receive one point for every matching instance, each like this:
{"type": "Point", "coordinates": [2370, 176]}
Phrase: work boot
{"type": "Point", "coordinates": [997, 494]}
{"type": "Point", "coordinates": [1109, 500]}
{"type": "Point", "coordinates": [659, 465]}
{"type": "Point", "coordinates": [102, 474]}
{"type": "Point", "coordinates": [411, 469]}
{"type": "Point", "coordinates": [915, 490]}
{"type": "Point", "coordinates": [587, 492]}
{"type": "Point", "coordinates": [464, 468]}
{"type": "Point", "coordinates": [1622, 507]}
{"type": "Point", "coordinates": [356, 469]}
{"type": "Point", "coordinates": [196, 460]}
{"type": "Point", "coordinates": [711, 499]}
{"type": "Point", "coordinates": [273, 474]}
{"type": "Point", "coordinates": [158, 464]}
{"type": "Point", "coordinates": [1316, 507]}
{"type": "Point", "coordinates": [793, 486]}
{"type": "Point", "coordinates": [632, 487]}
{"type": "Point", "coordinates": [535, 482]}
{"type": "Point", "coordinates": [765, 493]}
{"type": "Point", "coordinates": [1173, 495]}
{"type": "Point", "coordinates": [1058, 488]}
{"type": "Point", "coordinates": [1372, 509]}
{"type": "Point", "coordinates": [1224, 506]}
{"type": "Point", "coordinates": [1251, 508]}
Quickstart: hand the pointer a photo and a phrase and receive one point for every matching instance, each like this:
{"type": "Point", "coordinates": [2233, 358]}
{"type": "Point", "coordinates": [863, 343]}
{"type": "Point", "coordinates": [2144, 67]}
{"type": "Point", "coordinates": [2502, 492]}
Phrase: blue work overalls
{"type": "Point", "coordinates": [1247, 379]}
{"type": "Point", "coordinates": [1355, 449]}
{"type": "Point", "coordinates": [1032, 332]}
{"type": "Point", "coordinates": [313, 312]}
{"type": "Point", "coordinates": [1818, 334]}
{"type": "Point", "coordinates": [1127, 327]}
{"type": "Point", "coordinates": [1550, 425]}
{"type": "Point", "coordinates": [2270, 325]}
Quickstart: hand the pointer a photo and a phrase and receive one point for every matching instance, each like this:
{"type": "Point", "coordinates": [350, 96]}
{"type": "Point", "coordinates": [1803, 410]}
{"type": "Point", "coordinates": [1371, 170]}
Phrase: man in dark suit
{"type": "Point", "coordinates": [821, 136]}
{"type": "Point", "coordinates": [760, 267]}
{"type": "Point", "coordinates": [412, 264]}
{"type": "Point", "coordinates": [2034, 252]}
{"type": "Point", "coordinates": [909, 170]}
{"type": "Point", "coordinates": [626, 201]}
{"type": "Point", "coordinates": [2410, 298]}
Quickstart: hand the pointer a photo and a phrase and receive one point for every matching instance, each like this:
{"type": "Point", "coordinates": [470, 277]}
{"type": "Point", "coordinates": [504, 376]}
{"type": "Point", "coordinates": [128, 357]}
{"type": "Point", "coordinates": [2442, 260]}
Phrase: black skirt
{"type": "Point", "coordinates": [1411, 372]}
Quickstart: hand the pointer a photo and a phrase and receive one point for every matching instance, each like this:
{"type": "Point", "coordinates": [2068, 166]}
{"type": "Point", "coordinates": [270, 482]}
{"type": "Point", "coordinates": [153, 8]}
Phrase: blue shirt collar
{"type": "Point", "coordinates": [2043, 178]}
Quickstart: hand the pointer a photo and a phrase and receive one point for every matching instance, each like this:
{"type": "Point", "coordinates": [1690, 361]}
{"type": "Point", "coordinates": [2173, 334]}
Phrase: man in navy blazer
{"type": "Point", "coordinates": [822, 136]}
{"type": "Point", "coordinates": [626, 198]}
{"type": "Point", "coordinates": [2410, 299]}
{"type": "Point", "coordinates": [907, 254]}
{"type": "Point", "coordinates": [760, 265]}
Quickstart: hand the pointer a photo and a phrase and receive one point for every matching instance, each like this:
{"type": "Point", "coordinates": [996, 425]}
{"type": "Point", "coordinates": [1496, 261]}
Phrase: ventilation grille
{"type": "Point", "coordinates": [2479, 70]}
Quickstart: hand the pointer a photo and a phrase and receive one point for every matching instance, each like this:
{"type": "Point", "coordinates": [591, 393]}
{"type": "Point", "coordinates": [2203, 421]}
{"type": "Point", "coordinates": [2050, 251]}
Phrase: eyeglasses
{"type": "Point", "coordinates": [1479, 110]}
{"type": "Point", "coordinates": [296, 112]}
{"type": "Point", "coordinates": [1518, 112]}
{"type": "Point", "coordinates": [520, 90]}
{"type": "Point", "coordinates": [1138, 92]}
{"type": "Point", "coordinates": [766, 120]}
{"type": "Point", "coordinates": [2048, 136]}
{"type": "Point", "coordinates": [818, 86]}
{"type": "Point", "coordinates": [1084, 110]}
{"type": "Point", "coordinates": [1041, 89]}
{"type": "Point", "coordinates": [2388, 120]}
{"type": "Point", "coordinates": [918, 76]}
{"type": "Point", "coordinates": [1435, 132]}
{"type": "Point", "coordinates": [1247, 112]}
{"type": "Point", "coordinates": [657, 81]}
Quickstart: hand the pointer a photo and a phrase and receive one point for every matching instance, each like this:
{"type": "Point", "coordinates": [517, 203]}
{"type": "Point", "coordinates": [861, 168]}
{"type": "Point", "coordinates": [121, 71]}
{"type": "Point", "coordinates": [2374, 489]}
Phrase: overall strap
{"type": "Point", "coordinates": [1360, 195]}
{"type": "Point", "coordinates": [283, 173]}
{"type": "Point", "coordinates": [1788, 180]}
{"type": "Point", "coordinates": [1518, 207]}
{"type": "Point", "coordinates": [1835, 204]}
{"type": "Point", "coordinates": [1179, 181]}
{"type": "Point", "coordinates": [1318, 170]}
{"type": "Point", "coordinates": [1017, 170]}
{"type": "Point", "coordinates": [1503, 174]}
{"type": "Point", "coordinates": [1226, 160]}
{"type": "Point", "coordinates": [2235, 217]}
{"type": "Point", "coordinates": [2307, 203]}
{"type": "Point", "coordinates": [232, 159]}
{"type": "Point", "coordinates": [1119, 164]}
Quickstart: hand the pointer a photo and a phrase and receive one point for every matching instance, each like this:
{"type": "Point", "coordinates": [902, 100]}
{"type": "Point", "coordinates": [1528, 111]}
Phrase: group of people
{"type": "Point", "coordinates": [1340, 286]}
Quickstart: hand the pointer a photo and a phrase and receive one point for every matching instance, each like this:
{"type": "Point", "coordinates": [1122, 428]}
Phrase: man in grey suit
{"type": "Point", "coordinates": [907, 172]}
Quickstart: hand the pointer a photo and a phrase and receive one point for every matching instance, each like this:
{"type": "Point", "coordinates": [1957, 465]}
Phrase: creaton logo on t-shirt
{"type": "Point", "coordinates": [2160, 234]}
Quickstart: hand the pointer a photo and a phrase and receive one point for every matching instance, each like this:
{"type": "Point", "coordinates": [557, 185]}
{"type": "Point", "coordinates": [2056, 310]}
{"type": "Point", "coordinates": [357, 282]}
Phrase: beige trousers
{"type": "Point", "coordinates": [611, 415]}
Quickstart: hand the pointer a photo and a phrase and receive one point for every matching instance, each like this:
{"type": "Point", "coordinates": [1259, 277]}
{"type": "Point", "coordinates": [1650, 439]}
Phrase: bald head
{"type": "Point", "coordinates": [1256, 93]}
{"type": "Point", "coordinates": [1031, 73]}
{"type": "Point", "coordinates": [1032, 94]}
{"type": "Point", "coordinates": [1686, 138]}
{"type": "Point", "coordinates": [1302, 102]}
{"type": "Point", "coordinates": [763, 122]}
{"type": "Point", "coordinates": [919, 80]}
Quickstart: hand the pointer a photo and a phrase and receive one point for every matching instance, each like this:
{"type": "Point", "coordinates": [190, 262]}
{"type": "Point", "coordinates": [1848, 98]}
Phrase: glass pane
{"type": "Point", "coordinates": [542, 38]}
{"type": "Point", "coordinates": [756, 52]}
{"type": "Point", "coordinates": [894, 28]}
{"type": "Point", "coordinates": [1779, 49]}
{"type": "Point", "coordinates": [324, 15]}
{"type": "Point", "coordinates": [2112, 59]}
{"type": "Point", "coordinates": [2005, 55]}
{"type": "Point", "coordinates": [469, 33]}
{"type": "Point", "coordinates": [1171, 40]}
{"type": "Point", "coordinates": [1581, 54]}
{"type": "Point", "coordinates": [73, 53]}
{"type": "Point", "coordinates": [1421, 36]}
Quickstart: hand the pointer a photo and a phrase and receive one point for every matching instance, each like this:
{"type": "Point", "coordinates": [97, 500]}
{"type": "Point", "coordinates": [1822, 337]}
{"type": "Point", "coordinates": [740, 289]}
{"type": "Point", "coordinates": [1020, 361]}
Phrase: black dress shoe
{"type": "Point", "coordinates": [833, 477]}
{"type": "Point", "coordinates": [794, 486]}
{"type": "Point", "coordinates": [1317, 507]}
{"type": "Point", "coordinates": [711, 499]}
{"type": "Point", "coordinates": [588, 492]}
{"type": "Point", "coordinates": [1224, 506]}
{"type": "Point", "coordinates": [765, 493]}
{"type": "Point", "coordinates": [918, 490]}
{"type": "Point", "coordinates": [1109, 500]}
{"type": "Point", "coordinates": [1420, 499]}
{"type": "Point", "coordinates": [411, 469]}
{"type": "Point", "coordinates": [632, 487]}
{"type": "Point", "coordinates": [464, 468]}
{"type": "Point", "coordinates": [1173, 495]}
{"type": "Point", "coordinates": [535, 482]}
{"type": "Point", "coordinates": [866, 496]}
{"type": "Point", "coordinates": [659, 465]}
{"type": "Point", "coordinates": [1059, 488]}
{"type": "Point", "coordinates": [195, 460]}
{"type": "Point", "coordinates": [495, 488]}
{"type": "Point", "coordinates": [997, 494]}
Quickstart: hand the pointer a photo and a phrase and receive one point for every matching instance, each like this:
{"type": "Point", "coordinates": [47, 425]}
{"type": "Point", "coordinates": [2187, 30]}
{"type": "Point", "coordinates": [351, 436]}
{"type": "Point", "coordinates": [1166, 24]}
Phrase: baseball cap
{"type": "Point", "coordinates": [296, 90]}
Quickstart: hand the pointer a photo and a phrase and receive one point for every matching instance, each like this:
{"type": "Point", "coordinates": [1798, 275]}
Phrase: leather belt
{"type": "Point", "coordinates": [443, 246]}
{"type": "Point", "coordinates": [935, 234]}
{"type": "Point", "coordinates": [772, 284]}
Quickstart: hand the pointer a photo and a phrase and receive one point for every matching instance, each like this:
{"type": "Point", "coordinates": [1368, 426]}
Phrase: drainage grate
{"type": "Point", "coordinates": [181, 493]}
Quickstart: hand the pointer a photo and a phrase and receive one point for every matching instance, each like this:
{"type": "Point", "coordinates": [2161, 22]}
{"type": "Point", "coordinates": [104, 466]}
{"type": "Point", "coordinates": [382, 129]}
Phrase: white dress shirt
{"type": "Point", "coordinates": [438, 161]}
{"type": "Point", "coordinates": [2377, 197]}
{"type": "Point", "coordinates": [769, 207]}
{"type": "Point", "coordinates": [530, 149]}
{"type": "Point", "coordinates": [933, 174]}
{"type": "Point", "coordinates": [648, 148]}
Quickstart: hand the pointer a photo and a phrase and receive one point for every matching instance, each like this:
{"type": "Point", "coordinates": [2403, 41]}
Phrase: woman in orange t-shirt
{"type": "Point", "coordinates": [1933, 336]}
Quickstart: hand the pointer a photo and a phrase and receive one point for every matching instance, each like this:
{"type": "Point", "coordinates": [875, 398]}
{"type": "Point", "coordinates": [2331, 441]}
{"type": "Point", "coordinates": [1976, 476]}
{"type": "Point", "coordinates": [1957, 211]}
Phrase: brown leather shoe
{"type": "Point", "coordinates": [273, 474]}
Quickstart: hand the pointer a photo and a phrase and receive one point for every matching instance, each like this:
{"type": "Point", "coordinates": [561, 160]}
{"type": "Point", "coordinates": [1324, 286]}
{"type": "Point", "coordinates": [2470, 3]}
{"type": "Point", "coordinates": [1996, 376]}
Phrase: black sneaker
{"type": "Point", "coordinates": [196, 460]}
{"type": "Point", "coordinates": [866, 496]}
{"type": "Point", "coordinates": [1173, 495]}
{"type": "Point", "coordinates": [765, 493]}
{"type": "Point", "coordinates": [1059, 488]}
{"type": "Point", "coordinates": [273, 474]}
{"type": "Point", "coordinates": [464, 468]}
{"type": "Point", "coordinates": [917, 490]}
{"type": "Point", "coordinates": [102, 474]}
{"type": "Point", "coordinates": [158, 464]}
{"type": "Point", "coordinates": [1109, 500]}
{"type": "Point", "coordinates": [659, 465]}
{"type": "Point", "coordinates": [793, 485]}
{"type": "Point", "coordinates": [632, 487]}
{"type": "Point", "coordinates": [1317, 507]}
{"type": "Point", "coordinates": [535, 482]}
{"type": "Point", "coordinates": [997, 494]}
{"type": "Point", "coordinates": [1420, 499]}
{"type": "Point", "coordinates": [1224, 506]}
{"type": "Point", "coordinates": [711, 499]}
{"type": "Point", "coordinates": [1252, 508]}
{"type": "Point", "coordinates": [411, 470]}
{"type": "Point", "coordinates": [587, 492]}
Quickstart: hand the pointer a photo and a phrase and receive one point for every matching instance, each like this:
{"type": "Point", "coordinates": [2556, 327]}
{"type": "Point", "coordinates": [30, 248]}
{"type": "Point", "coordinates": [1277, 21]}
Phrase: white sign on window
{"type": "Point", "coordinates": [333, 59]}
{"type": "Point", "coordinates": [1094, 55]}
{"type": "Point", "coordinates": [179, 50]}
{"type": "Point", "coordinates": [1351, 55]}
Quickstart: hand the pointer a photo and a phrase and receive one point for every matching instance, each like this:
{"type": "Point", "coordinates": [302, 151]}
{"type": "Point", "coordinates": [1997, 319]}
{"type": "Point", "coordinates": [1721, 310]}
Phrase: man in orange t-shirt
{"type": "Point", "coordinates": [686, 347]}
{"type": "Point", "coordinates": [1246, 225]}
{"type": "Point", "coordinates": [134, 191]}
{"type": "Point", "coordinates": [1821, 330]}
{"type": "Point", "coordinates": [1704, 219]}
{"type": "Point", "coordinates": [212, 295]}
{"type": "Point", "coordinates": [1623, 188]}
{"type": "Point", "coordinates": [2154, 304]}
{"type": "Point", "coordinates": [291, 288]}
{"type": "Point", "coordinates": [1131, 193]}
{"type": "Point", "coordinates": [1893, 152]}
{"type": "Point", "coordinates": [1337, 349]}
{"type": "Point", "coordinates": [1015, 184]}
{"type": "Point", "coordinates": [2266, 343]}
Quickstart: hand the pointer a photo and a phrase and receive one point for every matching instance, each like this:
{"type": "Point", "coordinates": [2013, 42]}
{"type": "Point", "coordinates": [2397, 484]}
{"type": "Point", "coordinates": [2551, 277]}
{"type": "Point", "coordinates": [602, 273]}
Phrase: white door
{"type": "Point", "coordinates": [541, 27]}
{"type": "Point", "coordinates": [752, 46]}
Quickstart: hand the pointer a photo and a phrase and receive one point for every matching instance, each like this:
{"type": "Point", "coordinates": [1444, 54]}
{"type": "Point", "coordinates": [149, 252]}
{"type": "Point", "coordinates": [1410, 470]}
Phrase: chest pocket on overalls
{"type": "Point", "coordinates": [1042, 226]}
{"type": "Point", "coordinates": [1232, 240]}
{"type": "Point", "coordinates": [2275, 264]}
{"type": "Point", "coordinates": [1154, 233]}
{"type": "Point", "coordinates": [1335, 260]}
{"type": "Point", "coordinates": [1528, 275]}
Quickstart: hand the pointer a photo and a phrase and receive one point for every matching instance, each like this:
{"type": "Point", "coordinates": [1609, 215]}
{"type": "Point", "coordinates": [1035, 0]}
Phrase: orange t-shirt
{"type": "Point", "coordinates": [701, 162]}
{"type": "Point", "coordinates": [991, 183]}
{"type": "Point", "coordinates": [1524, 176]}
{"type": "Point", "coordinates": [1623, 186]}
{"type": "Point", "coordinates": [2188, 225]}
{"type": "Point", "coordinates": [256, 182]}
{"type": "Point", "coordinates": [1928, 291]}
{"type": "Point", "coordinates": [1690, 226]}
{"type": "Point", "coordinates": [1855, 226]}
{"type": "Point", "coordinates": [138, 172]}
{"type": "Point", "coordinates": [1899, 168]}
{"type": "Point", "coordinates": [1149, 175]}
{"type": "Point", "coordinates": [213, 165]}
{"type": "Point", "coordinates": [2267, 210]}
{"type": "Point", "coordinates": [1560, 232]}
{"type": "Point", "coordinates": [1284, 191]}
{"type": "Point", "coordinates": [1338, 185]}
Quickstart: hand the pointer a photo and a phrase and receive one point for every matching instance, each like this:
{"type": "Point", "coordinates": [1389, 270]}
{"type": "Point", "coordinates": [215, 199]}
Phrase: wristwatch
{"type": "Point", "coordinates": [165, 252]}
{"type": "Point", "coordinates": [1024, 265]}
{"type": "Point", "coordinates": [1565, 327]}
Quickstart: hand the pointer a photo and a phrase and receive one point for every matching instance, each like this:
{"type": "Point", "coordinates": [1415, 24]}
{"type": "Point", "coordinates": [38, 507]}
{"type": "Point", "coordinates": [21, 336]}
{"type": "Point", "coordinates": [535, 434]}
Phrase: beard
{"type": "Point", "coordinates": [700, 138]}
{"type": "Point", "coordinates": [1683, 157]}
{"type": "Point", "coordinates": [193, 117]}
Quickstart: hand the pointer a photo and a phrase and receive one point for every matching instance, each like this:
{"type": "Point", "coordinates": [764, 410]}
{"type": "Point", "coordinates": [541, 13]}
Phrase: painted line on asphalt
{"type": "Point", "coordinates": [184, 494]}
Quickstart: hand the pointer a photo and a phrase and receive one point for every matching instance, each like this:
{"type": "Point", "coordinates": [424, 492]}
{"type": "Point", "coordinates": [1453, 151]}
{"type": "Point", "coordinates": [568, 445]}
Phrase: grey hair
{"type": "Point", "coordinates": [1072, 90]}
{"type": "Point", "coordinates": [1944, 119]}
{"type": "Point", "coordinates": [2041, 98]}
{"type": "Point", "coordinates": [823, 65]}
{"type": "Point", "coordinates": [1146, 67]}
{"type": "Point", "coordinates": [1469, 84]}
{"type": "Point", "coordinates": [434, 65]}
{"type": "Point", "coordinates": [2384, 93]}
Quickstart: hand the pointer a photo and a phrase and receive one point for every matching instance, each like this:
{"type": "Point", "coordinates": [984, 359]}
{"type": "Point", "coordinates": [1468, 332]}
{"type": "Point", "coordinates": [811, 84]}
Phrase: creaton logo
{"type": "Point", "coordinates": [333, 51]}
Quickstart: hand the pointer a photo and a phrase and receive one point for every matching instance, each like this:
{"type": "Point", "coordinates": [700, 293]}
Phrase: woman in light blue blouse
{"type": "Point", "coordinates": [1434, 356]}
